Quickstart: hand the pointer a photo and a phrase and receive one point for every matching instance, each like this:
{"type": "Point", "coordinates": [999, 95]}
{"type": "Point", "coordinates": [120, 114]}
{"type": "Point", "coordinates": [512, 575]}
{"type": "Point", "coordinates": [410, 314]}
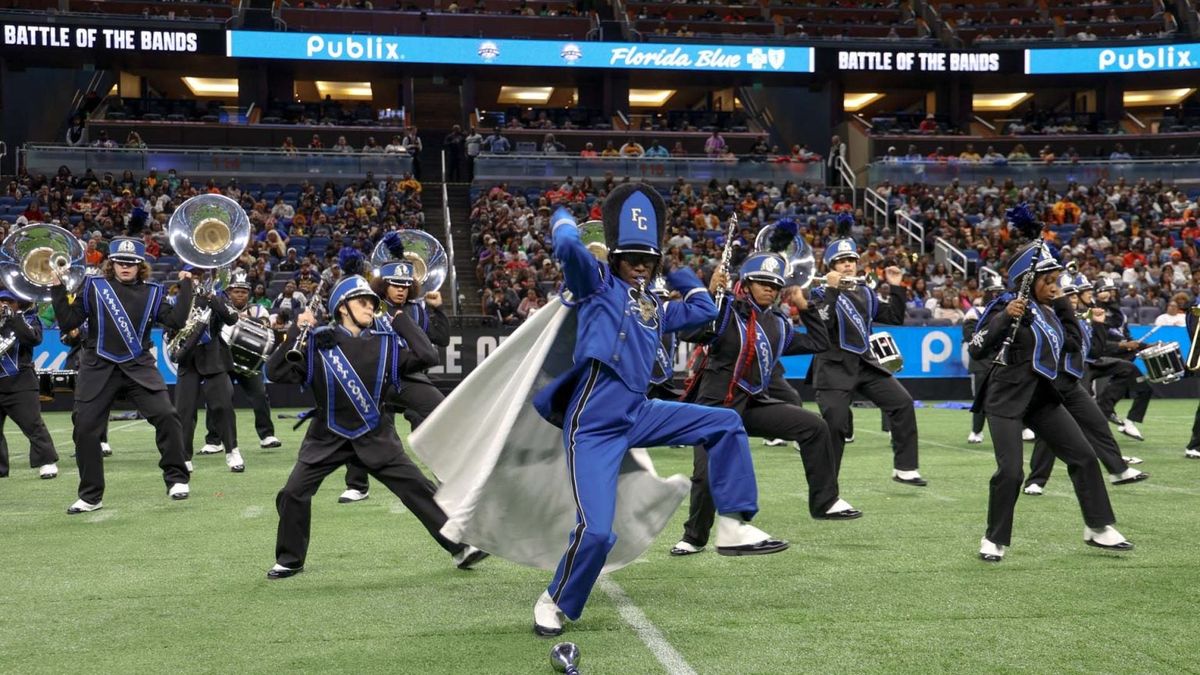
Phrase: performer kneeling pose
{"type": "Point", "coordinates": [1079, 350]}
{"type": "Point", "coordinates": [744, 348]}
{"type": "Point", "coordinates": [19, 387]}
{"type": "Point", "coordinates": [1020, 390]}
{"type": "Point", "coordinates": [120, 308]}
{"type": "Point", "coordinates": [351, 366]}
{"type": "Point", "coordinates": [601, 402]}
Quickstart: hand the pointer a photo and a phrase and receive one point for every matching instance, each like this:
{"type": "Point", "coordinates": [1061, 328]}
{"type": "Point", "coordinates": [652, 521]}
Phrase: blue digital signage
{"type": "Point", "coordinates": [1106, 60]}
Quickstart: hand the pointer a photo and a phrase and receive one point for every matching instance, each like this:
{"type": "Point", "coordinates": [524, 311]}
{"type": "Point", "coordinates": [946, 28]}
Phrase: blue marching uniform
{"type": "Point", "coordinates": [602, 408]}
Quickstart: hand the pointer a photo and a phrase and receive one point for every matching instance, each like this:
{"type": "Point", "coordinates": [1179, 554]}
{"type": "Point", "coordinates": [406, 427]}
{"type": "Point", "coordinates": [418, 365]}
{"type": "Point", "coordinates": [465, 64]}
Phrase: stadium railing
{"type": "Point", "coordinates": [913, 229]}
{"type": "Point", "coordinates": [504, 168]}
{"type": "Point", "coordinates": [1082, 171]}
{"type": "Point", "coordinates": [448, 238]}
{"type": "Point", "coordinates": [949, 255]}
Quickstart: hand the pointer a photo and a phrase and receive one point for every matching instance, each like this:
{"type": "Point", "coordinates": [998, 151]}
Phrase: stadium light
{"type": "Point", "coordinates": [1157, 97]}
{"type": "Point", "coordinates": [856, 102]}
{"type": "Point", "coordinates": [998, 102]}
{"type": "Point", "coordinates": [525, 95]}
{"type": "Point", "coordinates": [649, 98]}
{"type": "Point", "coordinates": [346, 91]}
{"type": "Point", "coordinates": [212, 86]}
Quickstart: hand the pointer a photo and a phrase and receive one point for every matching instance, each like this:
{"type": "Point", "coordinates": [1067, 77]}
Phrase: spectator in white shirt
{"type": "Point", "coordinates": [1173, 317]}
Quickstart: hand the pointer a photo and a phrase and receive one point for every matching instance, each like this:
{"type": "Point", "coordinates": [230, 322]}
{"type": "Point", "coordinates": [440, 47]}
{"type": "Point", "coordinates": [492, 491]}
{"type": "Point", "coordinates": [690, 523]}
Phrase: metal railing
{"type": "Point", "coordinates": [449, 239]}
{"type": "Point", "coordinates": [512, 167]}
{"type": "Point", "coordinates": [848, 178]}
{"type": "Point", "coordinates": [949, 255]}
{"type": "Point", "coordinates": [912, 228]}
{"type": "Point", "coordinates": [876, 208]}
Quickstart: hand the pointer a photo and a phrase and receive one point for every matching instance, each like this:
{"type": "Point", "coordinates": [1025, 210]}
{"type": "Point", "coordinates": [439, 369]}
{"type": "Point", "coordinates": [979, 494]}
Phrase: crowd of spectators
{"type": "Point", "coordinates": [1047, 154]}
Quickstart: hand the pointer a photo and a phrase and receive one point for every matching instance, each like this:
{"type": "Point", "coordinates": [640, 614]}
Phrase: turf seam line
{"type": "Point", "coordinates": [672, 661]}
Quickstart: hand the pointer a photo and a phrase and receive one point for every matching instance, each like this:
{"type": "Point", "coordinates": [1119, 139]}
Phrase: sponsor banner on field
{"type": "Point", "coordinates": [1107, 60]}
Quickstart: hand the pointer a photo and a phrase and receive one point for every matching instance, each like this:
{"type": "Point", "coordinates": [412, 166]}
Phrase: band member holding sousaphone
{"type": "Point", "coordinates": [850, 369]}
{"type": "Point", "coordinates": [399, 286]}
{"type": "Point", "coordinates": [1078, 351]}
{"type": "Point", "coordinates": [737, 372]}
{"type": "Point", "coordinates": [351, 366]}
{"type": "Point", "coordinates": [248, 361]}
{"type": "Point", "coordinates": [20, 332]}
{"type": "Point", "coordinates": [1118, 350]}
{"type": "Point", "coordinates": [120, 307]}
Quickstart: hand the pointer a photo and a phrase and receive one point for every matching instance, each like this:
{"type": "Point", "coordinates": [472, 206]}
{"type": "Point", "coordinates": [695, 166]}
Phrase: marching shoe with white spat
{"type": "Point", "coordinates": [234, 461]}
{"type": "Point", "coordinates": [178, 491]}
{"type": "Point", "coordinates": [278, 571]}
{"type": "Point", "coordinates": [974, 438]}
{"type": "Point", "coordinates": [737, 537]}
{"type": "Point", "coordinates": [1106, 537]}
{"type": "Point", "coordinates": [1131, 460]}
{"type": "Point", "coordinates": [547, 617]}
{"type": "Point", "coordinates": [48, 471]}
{"type": "Point", "coordinates": [81, 506]}
{"type": "Point", "coordinates": [989, 552]}
{"type": "Point", "coordinates": [1131, 430]}
{"type": "Point", "coordinates": [841, 510]}
{"type": "Point", "coordinates": [351, 495]}
{"type": "Point", "coordinates": [466, 558]}
{"type": "Point", "coordinates": [1034, 489]}
{"type": "Point", "coordinates": [1028, 435]}
{"type": "Point", "coordinates": [210, 449]}
{"type": "Point", "coordinates": [774, 442]}
{"type": "Point", "coordinates": [1130, 475]}
{"type": "Point", "coordinates": [685, 547]}
{"type": "Point", "coordinates": [909, 477]}
{"type": "Point", "coordinates": [848, 440]}
{"type": "Point", "coordinates": [270, 442]}
{"type": "Point", "coordinates": [105, 449]}
{"type": "Point", "coordinates": [1192, 453]}
{"type": "Point", "coordinates": [189, 466]}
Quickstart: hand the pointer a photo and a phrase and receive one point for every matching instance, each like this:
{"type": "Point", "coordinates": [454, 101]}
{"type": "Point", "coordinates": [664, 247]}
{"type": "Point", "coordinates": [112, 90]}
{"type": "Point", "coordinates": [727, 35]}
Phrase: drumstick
{"type": "Point", "coordinates": [1152, 331]}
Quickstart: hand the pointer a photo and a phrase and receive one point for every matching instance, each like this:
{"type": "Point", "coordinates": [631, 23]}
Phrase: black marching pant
{"type": "Point", "coordinates": [1124, 380]}
{"type": "Point", "coordinates": [417, 399]}
{"type": "Point", "coordinates": [25, 409]}
{"type": "Point", "coordinates": [770, 420]}
{"type": "Point", "coordinates": [977, 418]}
{"type": "Point", "coordinates": [1194, 442]}
{"type": "Point", "coordinates": [155, 406]}
{"type": "Point", "coordinates": [1094, 426]}
{"type": "Point", "coordinates": [256, 391]}
{"type": "Point", "coordinates": [1052, 423]}
{"type": "Point", "coordinates": [218, 396]}
{"type": "Point", "coordinates": [891, 398]}
{"type": "Point", "coordinates": [400, 475]}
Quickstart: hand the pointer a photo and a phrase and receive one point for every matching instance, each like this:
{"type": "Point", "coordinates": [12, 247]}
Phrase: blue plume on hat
{"type": "Point", "coordinates": [783, 235]}
{"type": "Point", "coordinates": [845, 221]}
{"type": "Point", "coordinates": [394, 244]}
{"type": "Point", "coordinates": [1022, 218]}
{"type": "Point", "coordinates": [350, 260]}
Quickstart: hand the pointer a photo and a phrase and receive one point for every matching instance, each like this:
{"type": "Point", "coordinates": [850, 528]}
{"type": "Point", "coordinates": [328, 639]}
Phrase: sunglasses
{"type": "Point", "coordinates": [641, 259]}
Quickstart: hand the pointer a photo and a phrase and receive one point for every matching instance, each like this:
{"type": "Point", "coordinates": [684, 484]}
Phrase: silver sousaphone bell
{"type": "Point", "coordinates": [799, 256]}
{"type": "Point", "coordinates": [426, 254]}
{"type": "Point", "coordinates": [31, 258]}
{"type": "Point", "coordinates": [209, 231]}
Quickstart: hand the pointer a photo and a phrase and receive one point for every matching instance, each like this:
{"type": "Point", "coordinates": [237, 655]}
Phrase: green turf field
{"type": "Point", "coordinates": [148, 585]}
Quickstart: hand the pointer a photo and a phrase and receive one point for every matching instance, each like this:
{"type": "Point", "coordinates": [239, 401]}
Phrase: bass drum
{"type": "Point", "coordinates": [250, 343]}
{"type": "Point", "coordinates": [51, 382]}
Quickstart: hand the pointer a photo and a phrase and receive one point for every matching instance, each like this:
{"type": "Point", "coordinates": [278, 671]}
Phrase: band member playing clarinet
{"type": "Point", "coordinates": [849, 368]}
{"type": "Point", "coordinates": [120, 307]}
{"type": "Point", "coordinates": [20, 332]}
{"type": "Point", "coordinates": [351, 366]}
{"type": "Point", "coordinates": [1024, 337]}
{"type": "Point", "coordinates": [601, 404]}
{"type": "Point", "coordinates": [745, 344]}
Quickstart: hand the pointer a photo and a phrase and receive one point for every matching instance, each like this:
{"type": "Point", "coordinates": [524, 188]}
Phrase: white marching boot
{"type": "Point", "coordinates": [989, 552]}
{"type": "Point", "coordinates": [547, 617]}
{"type": "Point", "coordinates": [738, 537]}
{"type": "Point", "coordinates": [1106, 537]}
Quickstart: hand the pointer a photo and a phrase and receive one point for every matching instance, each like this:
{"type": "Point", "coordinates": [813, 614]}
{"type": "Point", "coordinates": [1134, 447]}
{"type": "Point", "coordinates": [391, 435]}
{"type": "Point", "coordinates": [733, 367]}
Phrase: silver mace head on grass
{"type": "Point", "coordinates": [564, 656]}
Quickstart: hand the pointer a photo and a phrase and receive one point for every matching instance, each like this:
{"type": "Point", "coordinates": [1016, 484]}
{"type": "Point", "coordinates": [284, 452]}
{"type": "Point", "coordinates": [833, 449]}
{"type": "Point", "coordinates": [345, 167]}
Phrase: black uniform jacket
{"type": "Point", "coordinates": [431, 320]}
{"type": "Point", "coordinates": [28, 331]}
{"type": "Point", "coordinates": [1008, 390]}
{"type": "Point", "coordinates": [836, 368]}
{"type": "Point", "coordinates": [212, 357]}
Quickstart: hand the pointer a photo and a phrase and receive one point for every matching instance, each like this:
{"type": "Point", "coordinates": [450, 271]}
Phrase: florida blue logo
{"type": "Point", "coordinates": [571, 52]}
{"type": "Point", "coordinates": [488, 51]}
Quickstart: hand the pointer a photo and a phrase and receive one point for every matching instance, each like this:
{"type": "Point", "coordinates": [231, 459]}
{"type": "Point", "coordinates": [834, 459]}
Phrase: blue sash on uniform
{"type": "Point", "coordinates": [1073, 363]}
{"type": "Point", "coordinates": [1085, 327]}
{"type": "Point", "coordinates": [340, 374]}
{"type": "Point", "coordinates": [1048, 342]}
{"type": "Point", "coordinates": [665, 360]}
{"type": "Point", "coordinates": [8, 364]}
{"type": "Point", "coordinates": [764, 354]}
{"type": "Point", "coordinates": [110, 308]}
{"type": "Point", "coordinates": [855, 339]}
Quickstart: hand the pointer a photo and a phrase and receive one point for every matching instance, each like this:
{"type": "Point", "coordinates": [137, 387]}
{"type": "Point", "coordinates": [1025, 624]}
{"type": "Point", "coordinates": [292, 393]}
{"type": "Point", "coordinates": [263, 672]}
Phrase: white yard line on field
{"type": "Point", "coordinates": [636, 619]}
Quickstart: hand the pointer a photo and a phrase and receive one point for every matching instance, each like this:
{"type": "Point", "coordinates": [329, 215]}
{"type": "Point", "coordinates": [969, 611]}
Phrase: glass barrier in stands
{"type": "Point", "coordinates": [510, 167]}
{"type": "Point", "coordinates": [1085, 172]}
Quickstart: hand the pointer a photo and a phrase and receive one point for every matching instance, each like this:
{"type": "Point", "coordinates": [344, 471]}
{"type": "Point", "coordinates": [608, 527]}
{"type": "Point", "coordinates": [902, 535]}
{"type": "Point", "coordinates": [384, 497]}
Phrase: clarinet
{"type": "Point", "coordinates": [296, 353]}
{"type": "Point", "coordinates": [726, 255]}
{"type": "Point", "coordinates": [1023, 294]}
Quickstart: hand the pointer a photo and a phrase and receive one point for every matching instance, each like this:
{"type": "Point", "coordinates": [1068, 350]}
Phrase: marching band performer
{"type": "Point", "coordinates": [1020, 389]}
{"type": "Point", "coordinates": [662, 377]}
{"type": "Point", "coordinates": [849, 368]}
{"type": "Point", "coordinates": [1078, 351]}
{"type": "Point", "coordinates": [1116, 363]}
{"type": "Point", "coordinates": [351, 366]}
{"type": "Point", "coordinates": [1192, 451]}
{"type": "Point", "coordinates": [744, 347]}
{"type": "Point", "coordinates": [991, 284]}
{"type": "Point", "coordinates": [74, 339]}
{"type": "Point", "coordinates": [22, 331]}
{"type": "Point", "coordinates": [120, 307]}
{"type": "Point", "coordinates": [601, 404]}
{"type": "Point", "coordinates": [417, 397]}
{"type": "Point", "coordinates": [238, 294]}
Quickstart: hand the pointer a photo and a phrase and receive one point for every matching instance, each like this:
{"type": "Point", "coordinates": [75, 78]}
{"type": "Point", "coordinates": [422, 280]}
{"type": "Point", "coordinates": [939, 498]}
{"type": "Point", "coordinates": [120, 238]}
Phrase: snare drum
{"type": "Point", "coordinates": [1164, 362]}
{"type": "Point", "coordinates": [51, 382]}
{"type": "Point", "coordinates": [250, 343]}
{"type": "Point", "coordinates": [883, 347]}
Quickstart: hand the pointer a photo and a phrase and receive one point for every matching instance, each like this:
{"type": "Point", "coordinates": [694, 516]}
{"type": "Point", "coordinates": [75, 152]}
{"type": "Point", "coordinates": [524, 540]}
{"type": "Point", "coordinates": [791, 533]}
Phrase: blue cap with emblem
{"type": "Point", "coordinates": [1066, 282]}
{"type": "Point", "coordinates": [397, 273]}
{"type": "Point", "coordinates": [633, 215]}
{"type": "Point", "coordinates": [1082, 283]}
{"type": "Point", "coordinates": [350, 287]}
{"type": "Point", "coordinates": [238, 279]}
{"type": "Point", "coordinates": [1020, 263]}
{"type": "Point", "coordinates": [840, 248]}
{"type": "Point", "coordinates": [1105, 284]}
{"type": "Point", "coordinates": [765, 268]}
{"type": "Point", "coordinates": [127, 250]}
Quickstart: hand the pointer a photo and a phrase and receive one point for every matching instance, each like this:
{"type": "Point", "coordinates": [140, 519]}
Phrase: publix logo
{"type": "Point", "coordinates": [571, 52]}
{"type": "Point", "coordinates": [488, 51]}
{"type": "Point", "coordinates": [1146, 59]}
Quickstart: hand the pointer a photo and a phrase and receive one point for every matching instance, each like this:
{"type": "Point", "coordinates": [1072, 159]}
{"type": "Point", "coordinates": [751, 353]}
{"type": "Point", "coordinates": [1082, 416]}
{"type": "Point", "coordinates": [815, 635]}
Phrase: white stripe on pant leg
{"type": "Point", "coordinates": [581, 527]}
{"type": "Point", "coordinates": [672, 661]}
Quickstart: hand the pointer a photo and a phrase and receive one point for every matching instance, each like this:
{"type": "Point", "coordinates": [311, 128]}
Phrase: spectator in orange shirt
{"type": "Point", "coordinates": [588, 150]}
{"type": "Point", "coordinates": [92, 255]}
{"type": "Point", "coordinates": [1065, 211]}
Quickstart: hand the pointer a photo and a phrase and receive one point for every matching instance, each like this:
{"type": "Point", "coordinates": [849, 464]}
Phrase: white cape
{"type": "Point", "coordinates": [505, 486]}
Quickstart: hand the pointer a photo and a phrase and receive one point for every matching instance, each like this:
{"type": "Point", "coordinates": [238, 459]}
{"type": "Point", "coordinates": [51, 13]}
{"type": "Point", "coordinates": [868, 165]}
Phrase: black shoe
{"type": "Point", "coordinates": [990, 557]}
{"type": "Point", "coordinates": [542, 631]}
{"type": "Point", "coordinates": [848, 514]}
{"type": "Point", "coordinates": [919, 482]}
{"type": "Point", "coordinates": [277, 573]}
{"type": "Point", "coordinates": [764, 547]}
{"type": "Point", "coordinates": [1136, 479]}
{"type": "Point", "coordinates": [1123, 546]}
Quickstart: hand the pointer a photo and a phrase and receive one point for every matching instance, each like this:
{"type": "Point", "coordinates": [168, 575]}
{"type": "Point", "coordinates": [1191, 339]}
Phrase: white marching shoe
{"type": "Point", "coordinates": [974, 438]}
{"type": "Point", "coordinates": [1106, 537]}
{"type": "Point", "coordinates": [1130, 429]}
{"type": "Point", "coordinates": [912, 477]}
{"type": "Point", "coordinates": [178, 491]}
{"type": "Point", "coordinates": [234, 461]}
{"type": "Point", "coordinates": [466, 558]}
{"type": "Point", "coordinates": [1034, 489]}
{"type": "Point", "coordinates": [685, 547]}
{"type": "Point", "coordinates": [774, 442]}
{"type": "Point", "coordinates": [841, 510]}
{"type": "Point", "coordinates": [1130, 475]}
{"type": "Point", "coordinates": [105, 449]}
{"type": "Point", "coordinates": [1131, 460]}
{"type": "Point", "coordinates": [351, 495]}
{"type": "Point", "coordinates": [989, 552]}
{"type": "Point", "coordinates": [738, 537]}
{"type": "Point", "coordinates": [48, 471]}
{"type": "Point", "coordinates": [189, 465]}
{"type": "Point", "coordinates": [547, 617]}
{"type": "Point", "coordinates": [81, 506]}
{"type": "Point", "coordinates": [1028, 435]}
{"type": "Point", "coordinates": [1192, 453]}
{"type": "Point", "coordinates": [270, 442]}
{"type": "Point", "coordinates": [210, 449]}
